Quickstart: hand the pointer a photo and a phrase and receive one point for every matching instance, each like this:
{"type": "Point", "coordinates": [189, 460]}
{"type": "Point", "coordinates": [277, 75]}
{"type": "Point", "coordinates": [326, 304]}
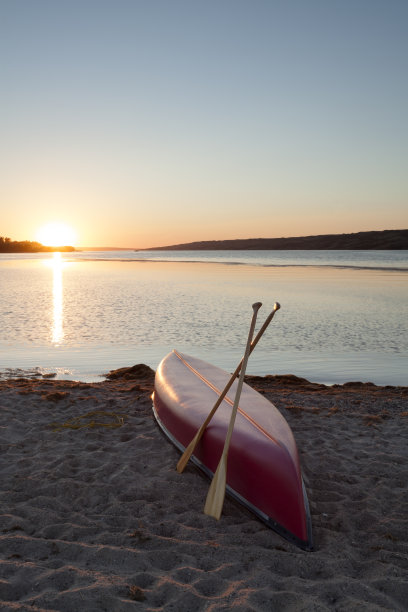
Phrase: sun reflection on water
{"type": "Point", "coordinates": [57, 289]}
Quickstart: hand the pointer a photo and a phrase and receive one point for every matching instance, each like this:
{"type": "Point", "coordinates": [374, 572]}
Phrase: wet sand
{"type": "Point", "coordinates": [95, 517]}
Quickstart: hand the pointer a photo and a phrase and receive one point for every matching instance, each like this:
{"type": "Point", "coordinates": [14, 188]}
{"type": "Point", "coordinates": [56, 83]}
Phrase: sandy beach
{"type": "Point", "coordinates": [95, 517]}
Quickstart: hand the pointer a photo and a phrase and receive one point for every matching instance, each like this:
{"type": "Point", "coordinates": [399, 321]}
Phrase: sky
{"type": "Point", "coordinates": [142, 123]}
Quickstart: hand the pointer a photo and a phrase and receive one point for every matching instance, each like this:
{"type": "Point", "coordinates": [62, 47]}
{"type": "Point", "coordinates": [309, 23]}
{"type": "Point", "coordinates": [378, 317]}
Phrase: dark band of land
{"type": "Point", "coordinates": [382, 240]}
{"type": "Point", "coordinates": [27, 246]}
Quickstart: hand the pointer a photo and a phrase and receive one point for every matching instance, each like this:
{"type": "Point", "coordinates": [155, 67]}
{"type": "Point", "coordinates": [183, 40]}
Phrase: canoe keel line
{"type": "Point", "coordinates": [263, 471]}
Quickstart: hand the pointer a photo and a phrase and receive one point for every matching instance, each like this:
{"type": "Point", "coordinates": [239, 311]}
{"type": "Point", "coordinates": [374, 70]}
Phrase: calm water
{"type": "Point", "coordinates": [344, 313]}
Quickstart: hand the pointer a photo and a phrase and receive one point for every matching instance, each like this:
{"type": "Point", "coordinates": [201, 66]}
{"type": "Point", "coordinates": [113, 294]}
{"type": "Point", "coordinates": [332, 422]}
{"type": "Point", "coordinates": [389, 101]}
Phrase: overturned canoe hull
{"type": "Point", "coordinates": [263, 470]}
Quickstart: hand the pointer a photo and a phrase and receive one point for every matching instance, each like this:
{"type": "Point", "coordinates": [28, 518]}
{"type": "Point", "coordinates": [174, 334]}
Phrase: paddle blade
{"type": "Point", "coordinates": [216, 493]}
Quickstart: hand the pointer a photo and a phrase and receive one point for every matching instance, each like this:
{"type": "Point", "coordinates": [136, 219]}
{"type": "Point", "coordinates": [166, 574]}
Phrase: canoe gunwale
{"type": "Point", "coordinates": [306, 545]}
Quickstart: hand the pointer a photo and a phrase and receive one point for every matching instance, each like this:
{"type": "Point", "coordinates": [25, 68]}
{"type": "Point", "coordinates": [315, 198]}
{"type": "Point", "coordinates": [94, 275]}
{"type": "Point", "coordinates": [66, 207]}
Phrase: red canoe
{"type": "Point", "coordinates": [263, 464]}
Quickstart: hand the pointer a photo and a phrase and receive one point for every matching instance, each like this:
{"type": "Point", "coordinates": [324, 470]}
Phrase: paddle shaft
{"type": "Point", "coordinates": [216, 493]}
{"type": "Point", "coordinates": [191, 447]}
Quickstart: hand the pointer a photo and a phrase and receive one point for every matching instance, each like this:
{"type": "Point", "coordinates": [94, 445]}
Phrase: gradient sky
{"type": "Point", "coordinates": [145, 123]}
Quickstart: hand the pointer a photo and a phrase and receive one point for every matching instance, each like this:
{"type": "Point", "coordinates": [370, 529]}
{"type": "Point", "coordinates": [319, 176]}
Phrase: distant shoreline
{"type": "Point", "coordinates": [376, 240]}
{"type": "Point", "coordinates": [27, 246]}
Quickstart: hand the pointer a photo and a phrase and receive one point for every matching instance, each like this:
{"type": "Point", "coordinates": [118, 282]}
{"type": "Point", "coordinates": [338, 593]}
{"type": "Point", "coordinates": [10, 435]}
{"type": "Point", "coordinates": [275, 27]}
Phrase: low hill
{"type": "Point", "coordinates": [381, 240]}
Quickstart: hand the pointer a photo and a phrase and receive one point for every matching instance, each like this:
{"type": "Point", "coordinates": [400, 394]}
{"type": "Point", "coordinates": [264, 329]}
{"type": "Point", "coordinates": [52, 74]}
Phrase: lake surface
{"type": "Point", "coordinates": [343, 314]}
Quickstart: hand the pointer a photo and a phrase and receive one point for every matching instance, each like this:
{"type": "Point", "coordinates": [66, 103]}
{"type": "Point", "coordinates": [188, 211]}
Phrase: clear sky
{"type": "Point", "coordinates": [145, 123]}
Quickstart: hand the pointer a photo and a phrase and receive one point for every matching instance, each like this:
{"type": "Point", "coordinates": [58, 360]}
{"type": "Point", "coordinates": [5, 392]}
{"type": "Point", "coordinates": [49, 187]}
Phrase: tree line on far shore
{"type": "Point", "coordinates": [28, 246]}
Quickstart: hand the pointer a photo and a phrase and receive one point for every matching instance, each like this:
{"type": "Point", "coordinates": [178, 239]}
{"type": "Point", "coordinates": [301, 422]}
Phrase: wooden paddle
{"type": "Point", "coordinates": [215, 498]}
{"type": "Point", "coordinates": [185, 457]}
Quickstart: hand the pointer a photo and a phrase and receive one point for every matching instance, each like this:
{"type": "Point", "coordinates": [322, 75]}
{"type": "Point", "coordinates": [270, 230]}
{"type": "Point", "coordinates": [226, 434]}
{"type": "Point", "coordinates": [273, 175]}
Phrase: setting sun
{"type": "Point", "coordinates": [56, 235]}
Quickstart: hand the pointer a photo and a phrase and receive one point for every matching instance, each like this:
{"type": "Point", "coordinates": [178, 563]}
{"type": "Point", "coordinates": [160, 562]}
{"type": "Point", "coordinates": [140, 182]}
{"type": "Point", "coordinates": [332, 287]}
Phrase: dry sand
{"type": "Point", "coordinates": [97, 518]}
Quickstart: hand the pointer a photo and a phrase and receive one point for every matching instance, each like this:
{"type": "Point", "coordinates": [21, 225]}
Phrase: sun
{"type": "Point", "coordinates": [56, 235]}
